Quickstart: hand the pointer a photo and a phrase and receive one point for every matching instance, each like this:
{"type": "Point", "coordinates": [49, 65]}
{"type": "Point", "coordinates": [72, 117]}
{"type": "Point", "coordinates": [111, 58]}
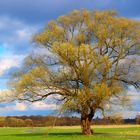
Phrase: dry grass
{"type": "Point", "coordinates": [97, 126]}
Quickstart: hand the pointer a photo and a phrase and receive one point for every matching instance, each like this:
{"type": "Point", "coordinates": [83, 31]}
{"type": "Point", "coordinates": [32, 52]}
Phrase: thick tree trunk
{"type": "Point", "coordinates": [86, 126]}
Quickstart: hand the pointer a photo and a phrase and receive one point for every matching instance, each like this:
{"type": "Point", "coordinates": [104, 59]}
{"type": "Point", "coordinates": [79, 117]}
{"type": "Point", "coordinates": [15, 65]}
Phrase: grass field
{"type": "Point", "coordinates": [122, 132]}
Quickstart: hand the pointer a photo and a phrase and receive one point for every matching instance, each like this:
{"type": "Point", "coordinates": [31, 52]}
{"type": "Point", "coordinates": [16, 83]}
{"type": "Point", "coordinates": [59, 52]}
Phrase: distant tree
{"type": "Point", "coordinates": [87, 58]}
{"type": "Point", "coordinates": [11, 122]}
{"type": "Point", "coordinates": [138, 119]}
{"type": "Point", "coordinates": [20, 123]}
{"type": "Point", "coordinates": [14, 122]}
{"type": "Point", "coordinates": [2, 121]}
{"type": "Point", "coordinates": [28, 122]}
{"type": "Point", "coordinates": [116, 118]}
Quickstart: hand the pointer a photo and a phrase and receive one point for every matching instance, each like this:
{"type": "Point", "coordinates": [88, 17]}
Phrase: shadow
{"type": "Point", "coordinates": [112, 135]}
{"type": "Point", "coordinates": [65, 134]}
{"type": "Point", "coordinates": [43, 134]}
{"type": "Point", "coordinates": [26, 134]}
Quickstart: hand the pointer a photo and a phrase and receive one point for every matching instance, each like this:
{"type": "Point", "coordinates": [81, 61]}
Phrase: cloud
{"type": "Point", "coordinates": [44, 10]}
{"type": "Point", "coordinates": [16, 38]}
{"type": "Point", "coordinates": [7, 70]}
{"type": "Point", "coordinates": [15, 44]}
{"type": "Point", "coordinates": [17, 25]}
{"type": "Point", "coordinates": [16, 35]}
{"type": "Point", "coordinates": [7, 63]}
{"type": "Point", "coordinates": [133, 94]}
{"type": "Point", "coordinates": [43, 106]}
{"type": "Point", "coordinates": [20, 107]}
{"type": "Point", "coordinates": [8, 95]}
{"type": "Point", "coordinates": [16, 107]}
{"type": "Point", "coordinates": [129, 114]}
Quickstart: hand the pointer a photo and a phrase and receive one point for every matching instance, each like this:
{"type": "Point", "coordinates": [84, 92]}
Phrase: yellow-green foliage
{"type": "Point", "coordinates": [91, 50]}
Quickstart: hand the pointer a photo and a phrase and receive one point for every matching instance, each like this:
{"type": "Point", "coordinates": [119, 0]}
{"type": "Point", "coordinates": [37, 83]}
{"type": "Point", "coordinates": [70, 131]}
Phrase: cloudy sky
{"type": "Point", "coordinates": [20, 19]}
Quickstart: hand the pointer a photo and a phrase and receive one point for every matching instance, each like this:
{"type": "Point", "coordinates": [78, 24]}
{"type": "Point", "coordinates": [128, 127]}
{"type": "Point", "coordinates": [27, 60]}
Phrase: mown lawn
{"type": "Point", "coordinates": [71, 133]}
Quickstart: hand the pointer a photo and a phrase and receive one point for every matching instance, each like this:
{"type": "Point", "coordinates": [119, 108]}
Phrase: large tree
{"type": "Point", "coordinates": [88, 58]}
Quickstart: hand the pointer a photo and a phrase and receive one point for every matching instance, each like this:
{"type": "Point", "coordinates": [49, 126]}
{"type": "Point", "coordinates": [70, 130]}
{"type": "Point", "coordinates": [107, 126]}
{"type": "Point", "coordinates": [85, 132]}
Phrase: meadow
{"type": "Point", "coordinates": [110, 132]}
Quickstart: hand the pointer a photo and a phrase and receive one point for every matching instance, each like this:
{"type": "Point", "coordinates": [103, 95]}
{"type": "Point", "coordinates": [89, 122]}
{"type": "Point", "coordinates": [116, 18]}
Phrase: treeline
{"type": "Point", "coordinates": [42, 121]}
{"type": "Point", "coordinates": [37, 121]}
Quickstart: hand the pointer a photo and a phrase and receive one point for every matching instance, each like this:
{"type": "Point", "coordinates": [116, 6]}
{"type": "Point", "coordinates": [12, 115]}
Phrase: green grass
{"type": "Point", "coordinates": [67, 133]}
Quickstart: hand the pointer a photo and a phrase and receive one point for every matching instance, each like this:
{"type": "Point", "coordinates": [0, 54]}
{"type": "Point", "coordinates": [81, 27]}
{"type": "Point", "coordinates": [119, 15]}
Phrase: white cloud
{"type": "Point", "coordinates": [8, 62]}
{"type": "Point", "coordinates": [43, 106]}
{"type": "Point", "coordinates": [20, 106]}
{"type": "Point", "coordinates": [16, 32]}
{"type": "Point", "coordinates": [6, 95]}
{"type": "Point", "coordinates": [16, 37]}
{"type": "Point", "coordinates": [133, 94]}
{"type": "Point", "coordinates": [15, 107]}
{"type": "Point", "coordinates": [129, 114]}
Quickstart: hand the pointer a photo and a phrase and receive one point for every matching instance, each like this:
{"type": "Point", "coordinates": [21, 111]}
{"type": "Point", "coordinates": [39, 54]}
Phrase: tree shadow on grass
{"type": "Point", "coordinates": [26, 134]}
{"type": "Point", "coordinates": [43, 134]}
{"type": "Point", "coordinates": [65, 134]}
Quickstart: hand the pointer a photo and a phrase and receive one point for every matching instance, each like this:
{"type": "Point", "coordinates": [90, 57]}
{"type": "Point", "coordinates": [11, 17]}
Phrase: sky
{"type": "Point", "coordinates": [20, 19]}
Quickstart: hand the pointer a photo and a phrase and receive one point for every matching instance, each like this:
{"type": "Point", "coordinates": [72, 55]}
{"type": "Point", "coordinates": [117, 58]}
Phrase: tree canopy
{"type": "Point", "coordinates": [88, 58]}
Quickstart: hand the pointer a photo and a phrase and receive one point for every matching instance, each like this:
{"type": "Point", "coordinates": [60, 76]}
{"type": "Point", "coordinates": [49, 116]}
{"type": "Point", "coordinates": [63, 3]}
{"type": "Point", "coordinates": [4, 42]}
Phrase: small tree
{"type": "Point", "coordinates": [138, 119]}
{"type": "Point", "coordinates": [28, 122]}
{"type": "Point", "coordinates": [116, 118]}
{"type": "Point", "coordinates": [11, 122]}
{"type": "Point", "coordinates": [2, 121]}
{"type": "Point", "coordinates": [20, 123]}
{"type": "Point", "coordinates": [89, 63]}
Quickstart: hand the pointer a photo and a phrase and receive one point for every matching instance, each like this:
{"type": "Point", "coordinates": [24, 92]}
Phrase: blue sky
{"type": "Point", "coordinates": [20, 19]}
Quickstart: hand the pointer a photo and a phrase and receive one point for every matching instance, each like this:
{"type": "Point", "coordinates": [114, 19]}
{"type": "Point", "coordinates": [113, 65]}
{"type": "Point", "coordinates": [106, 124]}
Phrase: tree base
{"type": "Point", "coordinates": [88, 132]}
{"type": "Point", "coordinates": [86, 129]}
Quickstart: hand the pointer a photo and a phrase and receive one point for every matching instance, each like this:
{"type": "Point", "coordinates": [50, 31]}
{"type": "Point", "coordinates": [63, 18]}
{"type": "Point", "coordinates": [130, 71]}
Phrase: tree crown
{"type": "Point", "coordinates": [90, 59]}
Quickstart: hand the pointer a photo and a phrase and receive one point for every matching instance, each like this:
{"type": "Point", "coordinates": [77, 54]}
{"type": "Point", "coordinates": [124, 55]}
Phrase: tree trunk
{"type": "Point", "coordinates": [86, 126]}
